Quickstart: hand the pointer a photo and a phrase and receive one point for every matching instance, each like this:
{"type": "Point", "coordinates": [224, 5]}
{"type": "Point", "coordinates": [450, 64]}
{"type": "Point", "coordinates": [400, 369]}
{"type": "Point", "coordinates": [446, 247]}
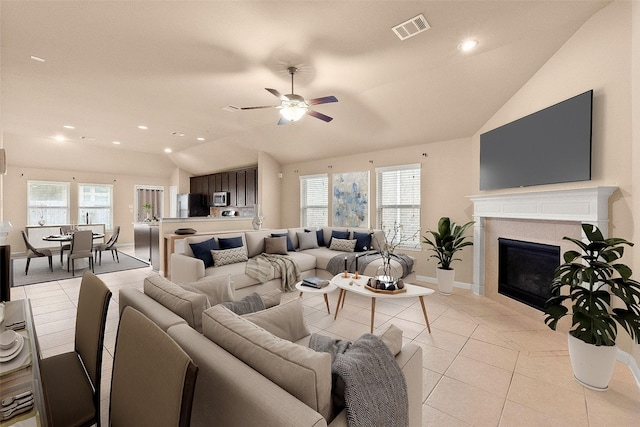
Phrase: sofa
{"type": "Point", "coordinates": [312, 261]}
{"type": "Point", "coordinates": [256, 370]}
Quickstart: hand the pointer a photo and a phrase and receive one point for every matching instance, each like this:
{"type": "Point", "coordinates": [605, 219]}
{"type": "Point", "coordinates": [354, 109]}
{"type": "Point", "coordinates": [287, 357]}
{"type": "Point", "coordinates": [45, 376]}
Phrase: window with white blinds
{"type": "Point", "coordinates": [314, 200]}
{"type": "Point", "coordinates": [47, 201]}
{"type": "Point", "coordinates": [95, 204]}
{"type": "Point", "coordinates": [398, 198]}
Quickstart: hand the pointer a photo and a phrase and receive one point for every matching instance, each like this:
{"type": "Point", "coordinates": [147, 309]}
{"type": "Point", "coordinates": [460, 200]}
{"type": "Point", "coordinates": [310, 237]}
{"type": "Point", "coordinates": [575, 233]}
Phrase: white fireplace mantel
{"type": "Point", "coordinates": [585, 205]}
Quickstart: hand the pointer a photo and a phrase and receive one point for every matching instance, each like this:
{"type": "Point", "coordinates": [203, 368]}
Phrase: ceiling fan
{"type": "Point", "coordinates": [293, 107]}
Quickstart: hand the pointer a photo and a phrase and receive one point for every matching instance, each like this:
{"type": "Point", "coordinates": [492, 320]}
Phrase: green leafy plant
{"type": "Point", "coordinates": [591, 277]}
{"type": "Point", "coordinates": [147, 207]}
{"type": "Point", "coordinates": [448, 240]}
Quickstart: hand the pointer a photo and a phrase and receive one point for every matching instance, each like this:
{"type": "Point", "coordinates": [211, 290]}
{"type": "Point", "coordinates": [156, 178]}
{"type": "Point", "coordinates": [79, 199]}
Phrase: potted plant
{"type": "Point", "coordinates": [589, 279]}
{"type": "Point", "coordinates": [445, 242]}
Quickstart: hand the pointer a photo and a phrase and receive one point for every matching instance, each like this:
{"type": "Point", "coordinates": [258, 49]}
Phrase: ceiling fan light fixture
{"type": "Point", "coordinates": [293, 109]}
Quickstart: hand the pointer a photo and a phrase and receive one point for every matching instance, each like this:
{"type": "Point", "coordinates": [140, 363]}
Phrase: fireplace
{"type": "Point", "coordinates": [525, 270]}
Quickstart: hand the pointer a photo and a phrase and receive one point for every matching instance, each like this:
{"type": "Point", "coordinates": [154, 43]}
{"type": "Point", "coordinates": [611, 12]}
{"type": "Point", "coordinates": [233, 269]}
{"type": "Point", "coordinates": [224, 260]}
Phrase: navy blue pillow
{"type": "Point", "coordinates": [363, 241]}
{"type": "Point", "coordinates": [203, 250]}
{"type": "Point", "coordinates": [230, 242]}
{"type": "Point", "coordinates": [290, 247]}
{"type": "Point", "coordinates": [338, 235]}
{"type": "Point", "coordinates": [319, 236]}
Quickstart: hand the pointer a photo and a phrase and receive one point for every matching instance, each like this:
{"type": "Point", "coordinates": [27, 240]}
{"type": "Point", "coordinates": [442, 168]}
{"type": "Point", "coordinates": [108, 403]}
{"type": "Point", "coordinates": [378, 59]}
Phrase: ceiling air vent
{"type": "Point", "coordinates": [411, 27]}
{"type": "Point", "coordinates": [230, 108]}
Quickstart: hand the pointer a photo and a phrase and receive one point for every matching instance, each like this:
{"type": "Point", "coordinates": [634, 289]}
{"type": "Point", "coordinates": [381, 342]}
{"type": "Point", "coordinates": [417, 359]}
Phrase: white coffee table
{"type": "Point", "coordinates": [310, 290]}
{"type": "Point", "coordinates": [357, 286]}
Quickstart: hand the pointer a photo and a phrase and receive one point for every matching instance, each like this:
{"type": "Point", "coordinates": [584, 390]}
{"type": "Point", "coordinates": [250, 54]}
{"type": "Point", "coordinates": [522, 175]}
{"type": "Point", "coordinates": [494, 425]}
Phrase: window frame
{"type": "Point", "coordinates": [83, 208]}
{"type": "Point", "coordinates": [303, 199]}
{"type": "Point", "coordinates": [44, 208]}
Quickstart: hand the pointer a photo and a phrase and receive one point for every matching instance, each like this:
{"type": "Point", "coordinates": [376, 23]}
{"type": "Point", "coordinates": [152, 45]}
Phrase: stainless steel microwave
{"type": "Point", "coordinates": [221, 198]}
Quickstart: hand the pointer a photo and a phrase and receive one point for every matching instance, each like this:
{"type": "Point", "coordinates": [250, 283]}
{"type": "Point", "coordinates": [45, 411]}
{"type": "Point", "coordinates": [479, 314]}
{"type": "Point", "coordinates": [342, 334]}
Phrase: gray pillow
{"type": "Point", "coordinates": [285, 321]}
{"type": "Point", "coordinates": [249, 304]}
{"type": "Point", "coordinates": [307, 241]}
{"type": "Point", "coordinates": [216, 289]}
{"type": "Point", "coordinates": [275, 245]}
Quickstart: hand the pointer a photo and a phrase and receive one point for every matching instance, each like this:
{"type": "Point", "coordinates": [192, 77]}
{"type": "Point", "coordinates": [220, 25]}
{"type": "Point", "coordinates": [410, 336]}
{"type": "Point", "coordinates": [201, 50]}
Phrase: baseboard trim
{"type": "Point", "coordinates": [434, 281]}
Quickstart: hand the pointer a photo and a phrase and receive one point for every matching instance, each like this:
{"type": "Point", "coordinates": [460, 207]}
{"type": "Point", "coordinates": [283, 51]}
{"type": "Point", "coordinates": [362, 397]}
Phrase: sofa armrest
{"type": "Point", "coordinates": [159, 314]}
{"type": "Point", "coordinates": [410, 361]}
{"type": "Point", "coordinates": [186, 269]}
{"type": "Point", "coordinates": [229, 392]}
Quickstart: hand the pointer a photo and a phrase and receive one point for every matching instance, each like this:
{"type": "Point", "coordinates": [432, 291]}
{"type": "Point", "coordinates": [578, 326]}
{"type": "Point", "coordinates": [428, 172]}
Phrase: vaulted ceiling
{"type": "Point", "coordinates": [174, 65]}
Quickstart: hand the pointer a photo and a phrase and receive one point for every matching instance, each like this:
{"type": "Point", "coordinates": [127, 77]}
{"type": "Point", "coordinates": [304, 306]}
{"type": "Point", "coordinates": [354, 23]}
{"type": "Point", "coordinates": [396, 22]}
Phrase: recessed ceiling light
{"type": "Point", "coordinates": [168, 150]}
{"type": "Point", "coordinates": [200, 139]}
{"type": "Point", "coordinates": [143, 127]}
{"type": "Point", "coordinates": [116, 142]}
{"type": "Point", "coordinates": [37, 58]}
{"type": "Point", "coordinates": [468, 45]}
{"type": "Point", "coordinates": [59, 138]}
{"type": "Point", "coordinates": [68, 127]}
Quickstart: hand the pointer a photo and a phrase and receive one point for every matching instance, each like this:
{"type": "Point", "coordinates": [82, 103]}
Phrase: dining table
{"type": "Point", "coordinates": [66, 238]}
{"type": "Point", "coordinates": [21, 393]}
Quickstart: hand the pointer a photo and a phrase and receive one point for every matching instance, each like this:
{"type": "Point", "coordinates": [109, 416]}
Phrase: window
{"type": "Point", "coordinates": [95, 204]}
{"type": "Point", "coordinates": [398, 197]}
{"type": "Point", "coordinates": [314, 200]}
{"type": "Point", "coordinates": [47, 201]}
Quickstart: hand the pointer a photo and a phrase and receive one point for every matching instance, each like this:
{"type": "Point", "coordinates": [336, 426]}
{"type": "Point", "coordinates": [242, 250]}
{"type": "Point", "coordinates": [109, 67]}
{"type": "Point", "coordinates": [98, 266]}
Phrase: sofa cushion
{"type": "Point", "coordinates": [203, 250]}
{"type": "Point", "coordinates": [271, 298]}
{"type": "Point", "coordinates": [301, 371]}
{"type": "Point", "coordinates": [188, 305]}
{"type": "Point", "coordinates": [392, 337]}
{"type": "Point", "coordinates": [285, 321]}
{"type": "Point", "coordinates": [275, 245]}
{"type": "Point", "coordinates": [230, 242]}
{"type": "Point", "coordinates": [307, 240]}
{"type": "Point", "coordinates": [338, 234]}
{"type": "Point", "coordinates": [363, 241]}
{"type": "Point", "coordinates": [342, 245]}
{"type": "Point", "coordinates": [290, 246]}
{"type": "Point", "coordinates": [249, 304]}
{"type": "Point", "coordinates": [216, 289]}
{"type": "Point", "coordinates": [319, 236]}
{"type": "Point", "coordinates": [229, 256]}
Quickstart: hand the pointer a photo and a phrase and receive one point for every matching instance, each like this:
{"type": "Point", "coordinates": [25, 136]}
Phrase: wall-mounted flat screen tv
{"type": "Point", "coordinates": [547, 147]}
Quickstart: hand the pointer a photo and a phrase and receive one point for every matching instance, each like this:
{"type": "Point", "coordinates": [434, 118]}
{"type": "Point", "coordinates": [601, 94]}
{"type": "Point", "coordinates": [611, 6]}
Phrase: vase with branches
{"type": "Point", "coordinates": [394, 237]}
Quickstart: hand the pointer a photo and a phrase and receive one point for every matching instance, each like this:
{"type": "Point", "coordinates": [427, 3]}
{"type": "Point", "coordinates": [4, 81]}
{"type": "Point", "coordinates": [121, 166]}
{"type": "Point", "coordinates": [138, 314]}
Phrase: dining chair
{"type": "Point", "coordinates": [33, 252]}
{"type": "Point", "coordinates": [110, 245]}
{"type": "Point", "coordinates": [81, 247]}
{"type": "Point", "coordinates": [64, 230]}
{"type": "Point", "coordinates": [153, 379]}
{"type": "Point", "coordinates": [71, 381]}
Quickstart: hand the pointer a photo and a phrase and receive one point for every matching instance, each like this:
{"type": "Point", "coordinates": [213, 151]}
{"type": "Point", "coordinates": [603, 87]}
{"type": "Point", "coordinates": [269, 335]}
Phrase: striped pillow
{"type": "Point", "coordinates": [229, 256]}
{"type": "Point", "coordinates": [342, 245]}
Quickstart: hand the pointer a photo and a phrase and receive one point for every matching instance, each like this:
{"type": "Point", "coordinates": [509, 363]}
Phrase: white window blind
{"type": "Point", "coordinates": [314, 200]}
{"type": "Point", "coordinates": [95, 204]}
{"type": "Point", "coordinates": [47, 201]}
{"type": "Point", "coordinates": [398, 202]}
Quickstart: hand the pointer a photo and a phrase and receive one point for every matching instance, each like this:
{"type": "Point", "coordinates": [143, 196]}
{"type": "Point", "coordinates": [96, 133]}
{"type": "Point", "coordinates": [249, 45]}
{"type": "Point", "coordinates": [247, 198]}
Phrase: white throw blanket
{"type": "Point", "coordinates": [264, 266]}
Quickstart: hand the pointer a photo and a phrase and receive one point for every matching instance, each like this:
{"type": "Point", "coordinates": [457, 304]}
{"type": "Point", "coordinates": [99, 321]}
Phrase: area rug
{"type": "Point", "coordinates": [39, 268]}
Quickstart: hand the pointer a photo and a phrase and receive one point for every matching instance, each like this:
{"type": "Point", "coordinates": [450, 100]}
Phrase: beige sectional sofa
{"type": "Point", "coordinates": [186, 268]}
{"type": "Point", "coordinates": [257, 370]}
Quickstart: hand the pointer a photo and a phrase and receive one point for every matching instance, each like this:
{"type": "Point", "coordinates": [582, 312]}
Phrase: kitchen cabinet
{"type": "Point", "coordinates": [242, 185]}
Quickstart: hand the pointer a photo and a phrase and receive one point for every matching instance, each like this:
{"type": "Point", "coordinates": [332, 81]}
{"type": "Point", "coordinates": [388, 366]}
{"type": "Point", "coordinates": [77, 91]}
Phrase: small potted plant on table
{"type": "Point", "coordinates": [589, 279]}
{"type": "Point", "coordinates": [445, 242]}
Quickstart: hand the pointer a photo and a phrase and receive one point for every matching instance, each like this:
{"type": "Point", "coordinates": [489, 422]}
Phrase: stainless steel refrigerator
{"type": "Point", "coordinates": [191, 205]}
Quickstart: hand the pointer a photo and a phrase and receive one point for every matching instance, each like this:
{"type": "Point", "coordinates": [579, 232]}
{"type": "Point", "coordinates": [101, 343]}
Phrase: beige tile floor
{"type": "Point", "coordinates": [484, 364]}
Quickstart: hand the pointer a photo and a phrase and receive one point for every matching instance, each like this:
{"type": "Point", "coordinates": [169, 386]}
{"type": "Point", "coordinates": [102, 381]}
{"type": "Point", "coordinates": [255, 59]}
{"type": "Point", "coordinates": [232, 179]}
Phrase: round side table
{"type": "Point", "coordinates": [324, 291]}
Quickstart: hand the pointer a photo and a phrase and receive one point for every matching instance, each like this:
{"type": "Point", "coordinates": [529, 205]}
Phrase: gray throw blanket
{"type": "Point", "coordinates": [336, 263]}
{"type": "Point", "coordinates": [375, 390]}
{"type": "Point", "coordinates": [263, 266]}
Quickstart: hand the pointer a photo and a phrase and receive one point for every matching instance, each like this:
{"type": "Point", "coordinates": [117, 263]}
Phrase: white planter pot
{"type": "Point", "coordinates": [445, 280]}
{"type": "Point", "coordinates": [592, 365]}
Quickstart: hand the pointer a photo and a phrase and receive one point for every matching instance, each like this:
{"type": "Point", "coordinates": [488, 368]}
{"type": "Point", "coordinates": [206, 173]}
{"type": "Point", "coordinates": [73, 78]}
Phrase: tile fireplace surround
{"type": "Point", "coordinates": [539, 216]}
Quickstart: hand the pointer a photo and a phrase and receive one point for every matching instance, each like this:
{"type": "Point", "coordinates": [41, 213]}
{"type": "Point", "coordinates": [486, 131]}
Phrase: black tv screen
{"type": "Point", "coordinates": [547, 147]}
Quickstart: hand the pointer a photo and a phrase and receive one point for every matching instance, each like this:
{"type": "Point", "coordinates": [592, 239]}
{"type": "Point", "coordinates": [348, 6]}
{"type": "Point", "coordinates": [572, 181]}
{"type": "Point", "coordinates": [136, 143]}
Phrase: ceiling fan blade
{"type": "Point", "coordinates": [323, 100]}
{"type": "Point", "coordinates": [275, 93]}
{"type": "Point", "coordinates": [283, 121]}
{"type": "Point", "coordinates": [319, 116]}
{"type": "Point", "coordinates": [261, 106]}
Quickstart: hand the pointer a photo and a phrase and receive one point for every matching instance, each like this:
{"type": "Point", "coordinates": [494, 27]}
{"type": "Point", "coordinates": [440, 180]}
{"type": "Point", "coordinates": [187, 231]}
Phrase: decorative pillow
{"type": "Point", "coordinates": [249, 304]}
{"type": "Point", "coordinates": [285, 321]}
{"type": "Point", "coordinates": [342, 245]}
{"type": "Point", "coordinates": [363, 241]}
{"type": "Point", "coordinates": [302, 372]}
{"type": "Point", "coordinates": [290, 246]}
{"type": "Point", "coordinates": [307, 240]}
{"type": "Point", "coordinates": [338, 235]}
{"type": "Point", "coordinates": [319, 235]}
{"type": "Point", "coordinates": [188, 305]}
{"type": "Point", "coordinates": [229, 256]}
{"type": "Point", "coordinates": [392, 337]}
{"type": "Point", "coordinates": [275, 245]}
{"type": "Point", "coordinates": [271, 298]}
{"type": "Point", "coordinates": [216, 289]}
{"type": "Point", "coordinates": [230, 242]}
{"type": "Point", "coordinates": [203, 250]}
